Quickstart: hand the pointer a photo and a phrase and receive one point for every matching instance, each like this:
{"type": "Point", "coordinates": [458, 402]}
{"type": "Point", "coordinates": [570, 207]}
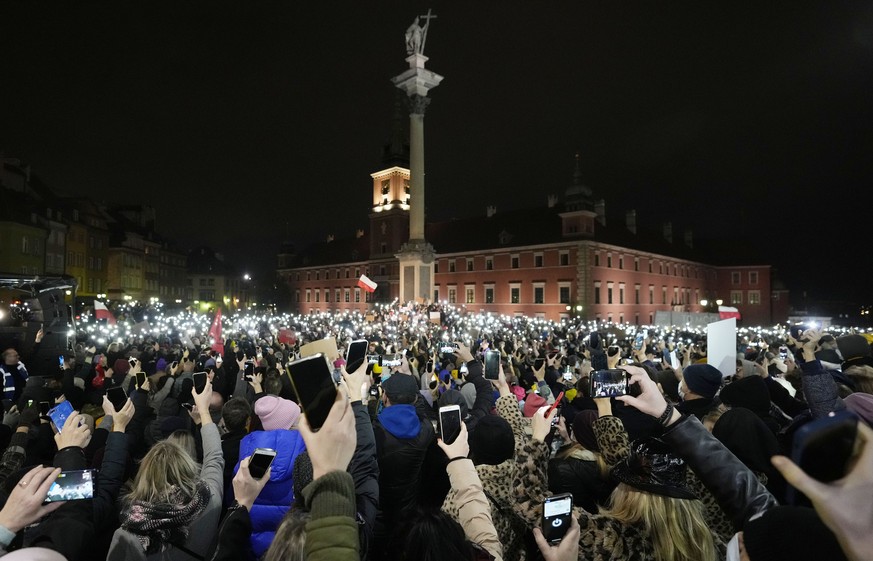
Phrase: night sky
{"type": "Point", "coordinates": [247, 123]}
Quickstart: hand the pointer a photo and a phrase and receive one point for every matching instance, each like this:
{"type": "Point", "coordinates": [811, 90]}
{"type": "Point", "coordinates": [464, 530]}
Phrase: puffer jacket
{"type": "Point", "coordinates": [278, 495]}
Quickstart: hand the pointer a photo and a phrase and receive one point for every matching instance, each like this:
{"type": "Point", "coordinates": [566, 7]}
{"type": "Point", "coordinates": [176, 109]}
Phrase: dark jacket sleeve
{"type": "Point", "coordinates": [137, 425]}
{"type": "Point", "coordinates": [233, 536]}
{"type": "Point", "coordinates": [780, 396]}
{"type": "Point", "coordinates": [110, 479]}
{"type": "Point", "coordinates": [14, 456]}
{"type": "Point", "coordinates": [364, 468]}
{"type": "Point", "coordinates": [820, 390]}
{"type": "Point", "coordinates": [71, 458]}
{"type": "Point", "coordinates": [69, 531]}
{"type": "Point", "coordinates": [734, 486]}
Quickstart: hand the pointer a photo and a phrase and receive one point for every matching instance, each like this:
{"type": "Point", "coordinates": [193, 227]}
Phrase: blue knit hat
{"type": "Point", "coordinates": [702, 379]}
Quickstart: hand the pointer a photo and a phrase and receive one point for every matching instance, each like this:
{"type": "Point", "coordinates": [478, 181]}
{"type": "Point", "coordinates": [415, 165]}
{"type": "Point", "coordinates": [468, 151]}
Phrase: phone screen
{"type": "Point", "coordinates": [199, 381]}
{"type": "Point", "coordinates": [72, 486]}
{"type": "Point", "coordinates": [140, 379]}
{"type": "Point", "coordinates": [61, 361]}
{"type": "Point", "coordinates": [132, 362]}
{"type": "Point", "coordinates": [44, 407]}
{"type": "Point", "coordinates": [450, 423]}
{"type": "Point", "coordinates": [492, 365]}
{"type": "Point", "coordinates": [557, 511]}
{"type": "Point", "coordinates": [261, 461]}
{"type": "Point", "coordinates": [356, 354]}
{"type": "Point", "coordinates": [59, 414]}
{"type": "Point", "coordinates": [249, 370]}
{"type": "Point", "coordinates": [608, 383]}
{"type": "Point", "coordinates": [117, 397]}
{"type": "Point", "coordinates": [313, 383]}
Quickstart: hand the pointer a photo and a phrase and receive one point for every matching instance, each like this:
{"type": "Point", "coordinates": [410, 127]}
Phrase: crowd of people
{"type": "Point", "coordinates": [681, 462]}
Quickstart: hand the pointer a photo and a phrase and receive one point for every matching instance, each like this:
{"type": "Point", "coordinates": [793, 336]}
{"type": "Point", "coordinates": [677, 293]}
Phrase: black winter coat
{"type": "Point", "coordinates": [582, 478]}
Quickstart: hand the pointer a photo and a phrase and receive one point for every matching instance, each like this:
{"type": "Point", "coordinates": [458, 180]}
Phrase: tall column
{"type": "Point", "coordinates": [416, 256]}
{"type": "Point", "coordinates": [416, 166]}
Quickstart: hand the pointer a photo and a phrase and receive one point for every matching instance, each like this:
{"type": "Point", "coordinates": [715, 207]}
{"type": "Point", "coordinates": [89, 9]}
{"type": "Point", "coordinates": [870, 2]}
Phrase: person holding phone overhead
{"type": "Point", "coordinates": [172, 508]}
{"type": "Point", "coordinates": [279, 418]}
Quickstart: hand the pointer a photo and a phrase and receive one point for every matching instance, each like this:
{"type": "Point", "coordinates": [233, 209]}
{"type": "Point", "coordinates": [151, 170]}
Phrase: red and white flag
{"type": "Point", "coordinates": [215, 333]}
{"type": "Point", "coordinates": [727, 312]}
{"type": "Point", "coordinates": [365, 283]}
{"type": "Point", "coordinates": [102, 312]}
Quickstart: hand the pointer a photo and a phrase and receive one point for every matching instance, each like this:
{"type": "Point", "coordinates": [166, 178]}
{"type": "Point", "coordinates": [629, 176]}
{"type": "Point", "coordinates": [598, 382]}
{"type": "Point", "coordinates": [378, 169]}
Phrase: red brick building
{"type": "Point", "coordinates": [567, 258]}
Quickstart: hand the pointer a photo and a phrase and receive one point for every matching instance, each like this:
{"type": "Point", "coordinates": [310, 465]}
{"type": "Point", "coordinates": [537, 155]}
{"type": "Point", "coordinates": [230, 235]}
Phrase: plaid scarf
{"type": "Point", "coordinates": [160, 524]}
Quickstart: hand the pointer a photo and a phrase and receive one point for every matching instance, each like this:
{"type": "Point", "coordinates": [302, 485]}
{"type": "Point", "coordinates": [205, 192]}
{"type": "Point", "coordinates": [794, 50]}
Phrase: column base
{"type": "Point", "coordinates": [416, 271]}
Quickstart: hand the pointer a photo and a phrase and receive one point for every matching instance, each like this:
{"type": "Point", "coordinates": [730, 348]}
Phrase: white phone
{"type": "Point", "coordinates": [450, 423]}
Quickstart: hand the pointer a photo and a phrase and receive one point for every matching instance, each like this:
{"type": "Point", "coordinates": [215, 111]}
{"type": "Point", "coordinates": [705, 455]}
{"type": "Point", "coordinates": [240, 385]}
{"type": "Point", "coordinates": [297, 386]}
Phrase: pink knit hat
{"type": "Point", "coordinates": [277, 413]}
{"type": "Point", "coordinates": [532, 403]}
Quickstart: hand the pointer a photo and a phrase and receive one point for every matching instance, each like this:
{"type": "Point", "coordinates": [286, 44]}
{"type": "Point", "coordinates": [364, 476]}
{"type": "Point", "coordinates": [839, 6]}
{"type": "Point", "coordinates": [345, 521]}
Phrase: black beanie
{"type": "Point", "coordinates": [492, 441]}
{"type": "Point", "coordinates": [791, 533]}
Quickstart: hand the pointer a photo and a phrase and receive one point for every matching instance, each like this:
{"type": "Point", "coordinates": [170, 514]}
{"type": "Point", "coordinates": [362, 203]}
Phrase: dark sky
{"type": "Point", "coordinates": [247, 122]}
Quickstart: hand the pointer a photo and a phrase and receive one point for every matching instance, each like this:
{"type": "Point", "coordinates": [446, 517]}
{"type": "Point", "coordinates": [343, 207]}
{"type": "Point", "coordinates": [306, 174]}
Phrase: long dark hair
{"type": "Point", "coordinates": [429, 535]}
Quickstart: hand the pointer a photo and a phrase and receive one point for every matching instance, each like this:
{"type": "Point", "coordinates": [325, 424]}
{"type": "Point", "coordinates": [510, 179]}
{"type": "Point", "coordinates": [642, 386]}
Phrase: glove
{"type": "Point", "coordinates": [28, 416]}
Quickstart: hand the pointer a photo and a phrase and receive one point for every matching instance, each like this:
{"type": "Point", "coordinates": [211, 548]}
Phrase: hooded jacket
{"type": "Point", "coordinates": [278, 494]}
{"type": "Point", "coordinates": [402, 440]}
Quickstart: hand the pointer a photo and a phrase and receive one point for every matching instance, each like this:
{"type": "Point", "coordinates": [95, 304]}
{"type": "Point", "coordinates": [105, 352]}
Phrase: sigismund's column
{"type": "Point", "coordinates": [416, 256]}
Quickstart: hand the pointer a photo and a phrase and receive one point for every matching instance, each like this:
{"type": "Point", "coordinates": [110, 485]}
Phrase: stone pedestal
{"type": "Point", "coordinates": [416, 271]}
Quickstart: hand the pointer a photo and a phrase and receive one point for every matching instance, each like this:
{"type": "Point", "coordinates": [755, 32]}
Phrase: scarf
{"type": "Point", "coordinates": [159, 524]}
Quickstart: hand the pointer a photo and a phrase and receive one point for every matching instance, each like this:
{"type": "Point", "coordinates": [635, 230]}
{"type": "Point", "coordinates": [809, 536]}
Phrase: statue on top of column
{"type": "Point", "coordinates": [416, 35]}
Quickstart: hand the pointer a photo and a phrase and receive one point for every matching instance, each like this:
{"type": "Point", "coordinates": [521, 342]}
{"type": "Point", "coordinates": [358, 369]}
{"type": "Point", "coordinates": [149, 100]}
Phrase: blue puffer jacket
{"type": "Point", "coordinates": [278, 495]}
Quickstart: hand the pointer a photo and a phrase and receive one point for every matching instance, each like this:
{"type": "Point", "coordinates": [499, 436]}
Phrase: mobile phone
{"type": "Point", "coordinates": [612, 382]}
{"type": "Point", "coordinates": [117, 397]}
{"type": "Point", "coordinates": [188, 406]}
{"type": "Point", "coordinates": [59, 413]}
{"type": "Point", "coordinates": [61, 361]}
{"type": "Point", "coordinates": [450, 423]}
{"type": "Point", "coordinates": [199, 381]}
{"type": "Point", "coordinates": [356, 354]}
{"type": "Point", "coordinates": [783, 352]}
{"type": "Point", "coordinates": [568, 373]}
{"type": "Point", "coordinates": [538, 363]}
{"type": "Point", "coordinates": [557, 511]}
{"type": "Point", "coordinates": [73, 485]}
{"type": "Point", "coordinates": [492, 365]}
{"type": "Point", "coordinates": [392, 360]}
{"type": "Point", "coordinates": [313, 383]}
{"type": "Point", "coordinates": [823, 448]}
{"type": "Point", "coordinates": [429, 366]}
{"type": "Point", "coordinates": [131, 361]}
{"type": "Point", "coordinates": [261, 461]}
{"type": "Point", "coordinates": [373, 359]}
{"type": "Point", "coordinates": [448, 348]}
{"type": "Point", "coordinates": [174, 364]}
{"type": "Point", "coordinates": [555, 404]}
{"type": "Point", "coordinates": [249, 370]}
{"type": "Point", "coordinates": [44, 407]}
{"type": "Point", "coordinates": [613, 350]}
{"type": "Point", "coordinates": [140, 379]}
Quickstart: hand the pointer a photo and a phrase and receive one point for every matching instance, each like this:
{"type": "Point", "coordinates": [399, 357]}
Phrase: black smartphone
{"type": "Point", "coordinates": [612, 382]}
{"type": "Point", "coordinates": [261, 461]}
{"type": "Point", "coordinates": [492, 365]}
{"type": "Point", "coordinates": [557, 511]}
{"type": "Point", "coordinates": [75, 485]}
{"type": "Point", "coordinates": [356, 354]}
{"type": "Point", "coordinates": [249, 370]}
{"type": "Point", "coordinates": [429, 366]}
{"type": "Point", "coordinates": [538, 363]}
{"type": "Point", "coordinates": [450, 423]}
{"type": "Point", "coordinates": [199, 381]}
{"type": "Point", "coordinates": [313, 383]}
{"type": "Point", "coordinates": [140, 379]}
{"type": "Point", "coordinates": [131, 361]}
{"type": "Point", "coordinates": [117, 397]}
{"type": "Point", "coordinates": [823, 448]}
{"type": "Point", "coordinates": [44, 407]}
{"type": "Point", "coordinates": [174, 364]}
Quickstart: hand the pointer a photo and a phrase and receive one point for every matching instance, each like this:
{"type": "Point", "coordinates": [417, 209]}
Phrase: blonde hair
{"type": "Point", "coordinates": [186, 440]}
{"type": "Point", "coordinates": [862, 376]}
{"type": "Point", "coordinates": [166, 468]}
{"type": "Point", "coordinates": [675, 526]}
{"type": "Point", "coordinates": [289, 543]}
